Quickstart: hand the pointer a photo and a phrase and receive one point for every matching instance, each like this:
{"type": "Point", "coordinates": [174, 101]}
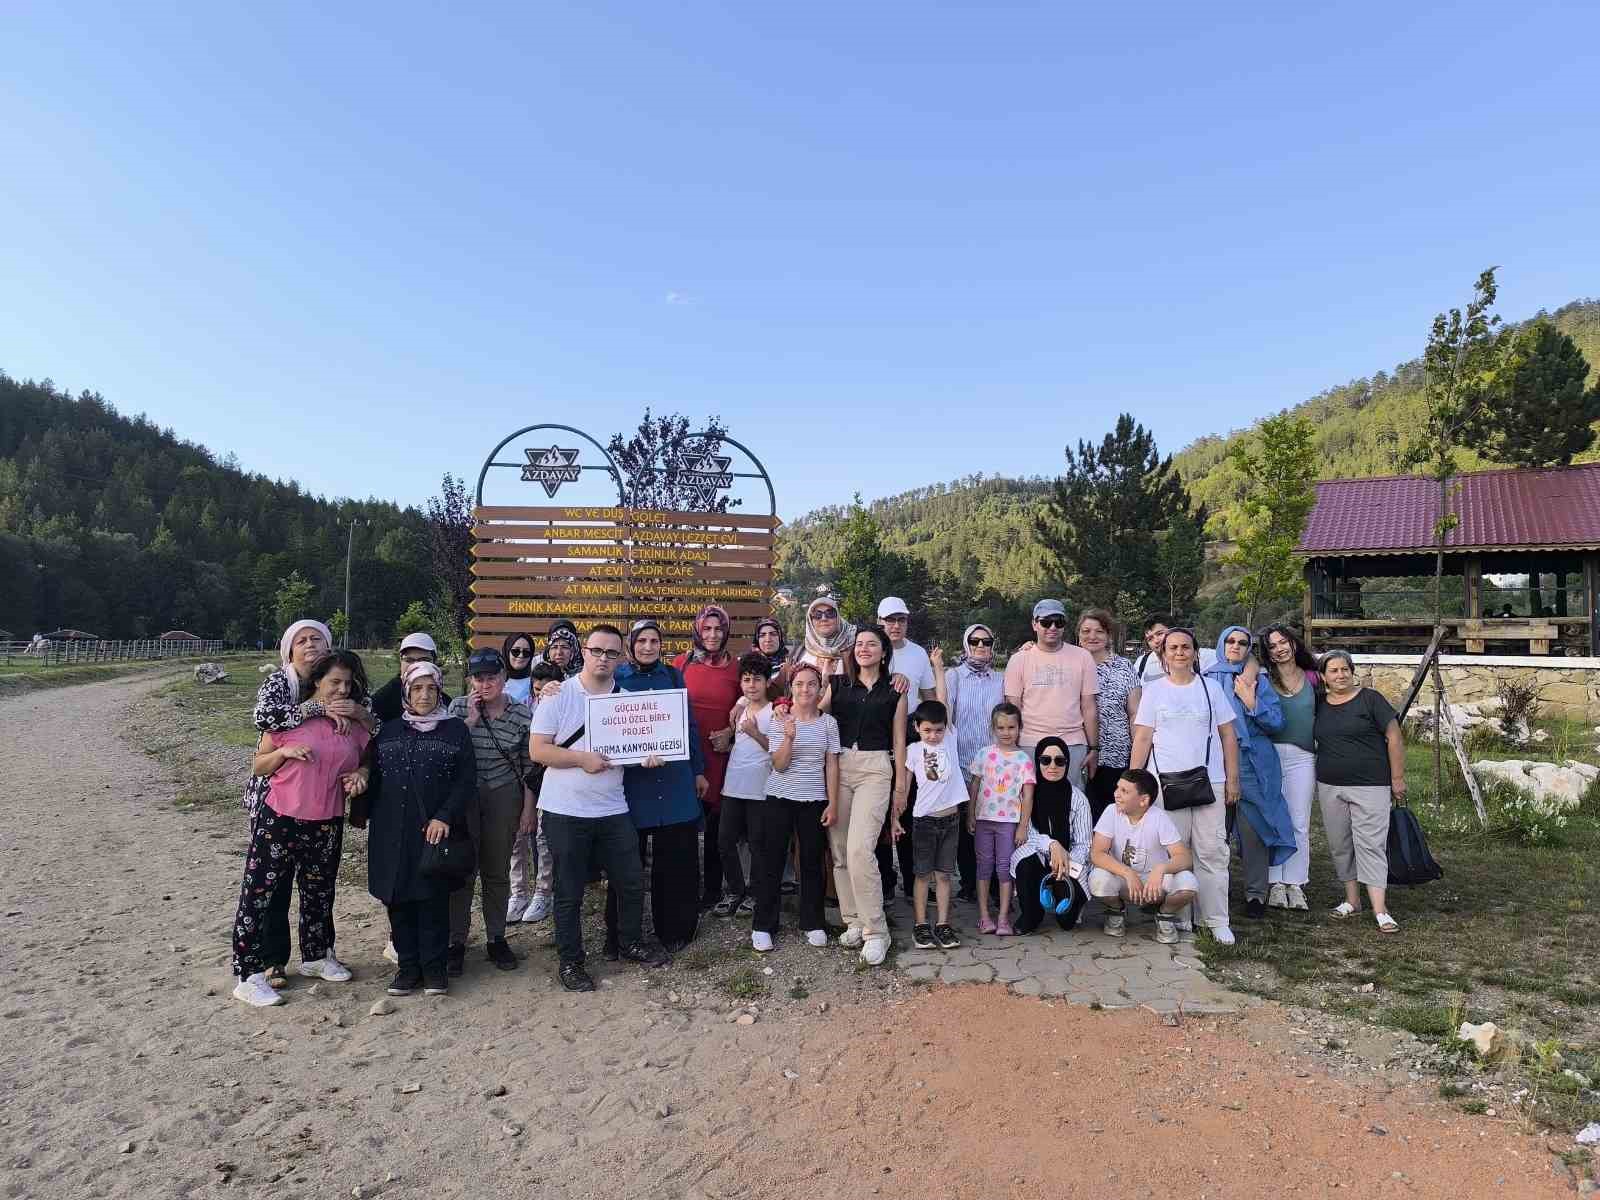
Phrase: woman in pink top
{"type": "Point", "coordinates": [299, 829]}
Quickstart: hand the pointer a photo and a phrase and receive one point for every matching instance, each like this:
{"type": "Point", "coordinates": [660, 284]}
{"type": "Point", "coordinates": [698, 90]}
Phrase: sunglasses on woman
{"type": "Point", "coordinates": [1052, 760]}
{"type": "Point", "coordinates": [519, 652]}
{"type": "Point", "coordinates": [823, 614]}
{"type": "Point", "coordinates": [978, 641]}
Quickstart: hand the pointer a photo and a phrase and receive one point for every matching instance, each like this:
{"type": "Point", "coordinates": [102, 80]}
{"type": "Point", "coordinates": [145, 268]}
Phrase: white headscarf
{"type": "Point", "coordinates": [967, 658]}
{"type": "Point", "coordinates": [422, 722]}
{"type": "Point", "coordinates": [286, 652]}
{"type": "Point", "coordinates": [834, 648]}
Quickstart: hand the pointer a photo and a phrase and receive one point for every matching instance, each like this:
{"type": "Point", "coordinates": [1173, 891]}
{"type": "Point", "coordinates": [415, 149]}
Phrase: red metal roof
{"type": "Point", "coordinates": [1557, 507]}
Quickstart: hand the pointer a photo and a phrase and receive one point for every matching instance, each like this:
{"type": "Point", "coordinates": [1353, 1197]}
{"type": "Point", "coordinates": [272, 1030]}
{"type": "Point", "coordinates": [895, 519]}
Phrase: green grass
{"type": "Point", "coordinates": [18, 677]}
{"type": "Point", "coordinates": [745, 983]}
{"type": "Point", "coordinates": [1510, 934]}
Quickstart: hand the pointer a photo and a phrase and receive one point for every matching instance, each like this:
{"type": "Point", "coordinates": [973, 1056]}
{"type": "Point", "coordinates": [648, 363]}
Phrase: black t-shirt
{"type": "Point", "coordinates": [1351, 750]}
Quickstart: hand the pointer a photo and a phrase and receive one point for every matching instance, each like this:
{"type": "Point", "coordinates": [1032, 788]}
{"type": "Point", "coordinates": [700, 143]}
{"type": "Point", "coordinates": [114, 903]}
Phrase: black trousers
{"type": "Point", "coordinates": [967, 855]}
{"type": "Point", "coordinates": [674, 882]}
{"type": "Point", "coordinates": [770, 824]}
{"type": "Point", "coordinates": [577, 844]}
{"type": "Point", "coordinates": [731, 830]}
{"type": "Point", "coordinates": [1102, 789]}
{"type": "Point", "coordinates": [1030, 873]}
{"type": "Point", "coordinates": [888, 852]}
{"type": "Point", "coordinates": [421, 931]}
{"type": "Point", "coordinates": [713, 855]}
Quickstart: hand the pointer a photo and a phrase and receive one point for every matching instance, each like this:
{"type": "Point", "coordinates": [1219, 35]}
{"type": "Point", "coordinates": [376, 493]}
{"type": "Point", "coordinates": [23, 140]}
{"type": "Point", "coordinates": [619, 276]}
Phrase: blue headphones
{"type": "Point", "coordinates": [1048, 900]}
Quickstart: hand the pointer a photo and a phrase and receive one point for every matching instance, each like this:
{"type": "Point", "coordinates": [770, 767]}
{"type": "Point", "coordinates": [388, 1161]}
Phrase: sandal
{"type": "Point", "coordinates": [1387, 924]}
{"type": "Point", "coordinates": [276, 979]}
{"type": "Point", "coordinates": [747, 906]}
{"type": "Point", "coordinates": [1344, 909]}
{"type": "Point", "coordinates": [724, 906]}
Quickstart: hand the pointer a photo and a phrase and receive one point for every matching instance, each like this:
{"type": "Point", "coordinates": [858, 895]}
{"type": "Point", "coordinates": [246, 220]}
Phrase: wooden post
{"type": "Point", "coordinates": [1429, 659]}
{"type": "Point", "coordinates": [1308, 602]}
{"type": "Point", "coordinates": [1455, 744]}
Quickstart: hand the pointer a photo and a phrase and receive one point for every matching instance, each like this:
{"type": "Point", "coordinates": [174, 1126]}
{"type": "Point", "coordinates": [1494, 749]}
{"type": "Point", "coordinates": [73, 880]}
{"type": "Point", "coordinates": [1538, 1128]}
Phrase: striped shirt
{"type": "Point", "coordinates": [814, 740]}
{"type": "Point", "coordinates": [511, 728]}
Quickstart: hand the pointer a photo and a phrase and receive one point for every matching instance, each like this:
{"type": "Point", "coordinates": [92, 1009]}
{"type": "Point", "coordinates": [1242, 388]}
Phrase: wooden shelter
{"type": "Point", "coordinates": [1522, 566]}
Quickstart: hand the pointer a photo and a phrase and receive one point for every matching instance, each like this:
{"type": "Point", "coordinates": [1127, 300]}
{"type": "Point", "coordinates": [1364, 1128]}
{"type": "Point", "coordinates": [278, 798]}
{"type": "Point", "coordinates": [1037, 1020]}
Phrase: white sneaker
{"type": "Point", "coordinates": [760, 941]}
{"type": "Point", "coordinates": [817, 937]}
{"type": "Point", "coordinates": [1278, 896]}
{"type": "Point", "coordinates": [1166, 932]}
{"type": "Point", "coordinates": [390, 953]}
{"type": "Point", "coordinates": [257, 992]}
{"type": "Point", "coordinates": [538, 908]}
{"type": "Point", "coordinates": [852, 937]}
{"type": "Point", "coordinates": [874, 950]}
{"type": "Point", "coordinates": [327, 967]}
{"type": "Point", "coordinates": [1223, 934]}
{"type": "Point", "coordinates": [1116, 924]}
{"type": "Point", "coordinates": [515, 907]}
{"type": "Point", "coordinates": [1297, 898]}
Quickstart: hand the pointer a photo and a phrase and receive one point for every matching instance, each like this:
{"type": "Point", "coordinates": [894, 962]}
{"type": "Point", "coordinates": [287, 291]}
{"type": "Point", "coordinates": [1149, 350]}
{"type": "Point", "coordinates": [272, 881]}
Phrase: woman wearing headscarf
{"type": "Point", "coordinates": [1266, 834]}
{"type": "Point", "coordinates": [712, 676]}
{"type": "Point", "coordinates": [1060, 829]}
{"type": "Point", "coordinates": [770, 643]}
{"type": "Point", "coordinates": [664, 802]}
{"type": "Point", "coordinates": [974, 685]}
{"type": "Point", "coordinates": [518, 654]}
{"type": "Point", "coordinates": [828, 638]}
{"type": "Point", "coordinates": [284, 702]}
{"type": "Point", "coordinates": [424, 777]}
{"type": "Point", "coordinates": [561, 648]}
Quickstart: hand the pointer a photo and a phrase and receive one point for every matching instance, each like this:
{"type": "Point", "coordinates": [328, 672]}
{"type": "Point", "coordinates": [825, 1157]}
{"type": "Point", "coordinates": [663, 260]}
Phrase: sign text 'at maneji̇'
{"type": "Point", "coordinates": [535, 566]}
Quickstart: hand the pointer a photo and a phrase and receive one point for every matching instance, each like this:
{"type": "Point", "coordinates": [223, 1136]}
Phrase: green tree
{"type": "Point", "coordinates": [450, 551]}
{"type": "Point", "coordinates": [292, 601]}
{"type": "Point", "coordinates": [859, 564]}
{"type": "Point", "coordinates": [413, 620]}
{"type": "Point", "coordinates": [339, 626]}
{"type": "Point", "coordinates": [655, 460]}
{"type": "Point", "coordinates": [1101, 521]}
{"type": "Point", "coordinates": [1538, 412]}
{"type": "Point", "coordinates": [1181, 560]}
{"type": "Point", "coordinates": [1281, 467]}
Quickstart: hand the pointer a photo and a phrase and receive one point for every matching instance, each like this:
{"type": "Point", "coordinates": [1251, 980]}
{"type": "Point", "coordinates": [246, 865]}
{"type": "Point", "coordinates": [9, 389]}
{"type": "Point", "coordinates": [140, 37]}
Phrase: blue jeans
{"type": "Point", "coordinates": [576, 845]}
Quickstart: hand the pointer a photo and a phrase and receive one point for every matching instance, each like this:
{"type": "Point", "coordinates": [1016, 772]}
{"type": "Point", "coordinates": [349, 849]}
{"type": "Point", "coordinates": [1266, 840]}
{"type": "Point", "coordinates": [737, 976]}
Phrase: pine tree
{"type": "Point", "coordinates": [1537, 412]}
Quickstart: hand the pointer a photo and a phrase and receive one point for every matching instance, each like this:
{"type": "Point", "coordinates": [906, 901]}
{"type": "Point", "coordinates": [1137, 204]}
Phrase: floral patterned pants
{"type": "Point", "coordinates": [283, 849]}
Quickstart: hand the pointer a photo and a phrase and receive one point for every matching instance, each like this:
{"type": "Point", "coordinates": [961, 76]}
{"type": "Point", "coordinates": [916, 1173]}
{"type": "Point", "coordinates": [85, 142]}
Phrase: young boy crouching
{"type": "Point", "coordinates": [1137, 855]}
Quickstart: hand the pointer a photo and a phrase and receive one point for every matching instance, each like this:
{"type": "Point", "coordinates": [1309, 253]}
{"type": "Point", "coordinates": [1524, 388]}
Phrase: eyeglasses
{"type": "Point", "coordinates": [978, 641]}
{"type": "Point", "coordinates": [603, 655]}
{"type": "Point", "coordinates": [1052, 760]}
{"type": "Point", "coordinates": [1053, 622]}
{"type": "Point", "coordinates": [821, 614]}
{"type": "Point", "coordinates": [520, 653]}
{"type": "Point", "coordinates": [1237, 642]}
{"type": "Point", "coordinates": [896, 619]}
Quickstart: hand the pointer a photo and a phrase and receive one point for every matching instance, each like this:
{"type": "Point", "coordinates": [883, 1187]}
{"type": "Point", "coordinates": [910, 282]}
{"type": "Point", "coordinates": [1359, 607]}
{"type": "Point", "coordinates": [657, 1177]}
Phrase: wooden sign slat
{"type": "Point", "coordinates": [743, 630]}
{"type": "Point", "coordinates": [653, 574]}
{"type": "Point", "coordinates": [749, 592]}
{"type": "Point", "coordinates": [588, 552]}
{"type": "Point", "coordinates": [619, 534]}
{"type": "Point", "coordinates": [623, 516]}
{"type": "Point", "coordinates": [552, 607]}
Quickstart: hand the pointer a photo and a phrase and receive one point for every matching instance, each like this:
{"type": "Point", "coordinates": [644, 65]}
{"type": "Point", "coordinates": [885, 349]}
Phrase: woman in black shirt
{"type": "Point", "coordinates": [1361, 763]}
{"type": "Point", "coordinates": [872, 742]}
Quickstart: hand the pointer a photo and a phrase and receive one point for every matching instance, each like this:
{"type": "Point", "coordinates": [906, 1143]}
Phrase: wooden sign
{"type": "Point", "coordinates": [533, 566]}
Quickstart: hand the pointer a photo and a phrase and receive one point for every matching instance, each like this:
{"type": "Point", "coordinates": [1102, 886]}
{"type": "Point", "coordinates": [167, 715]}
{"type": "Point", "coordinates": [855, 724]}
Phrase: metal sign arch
{"type": "Point", "coordinates": [610, 466]}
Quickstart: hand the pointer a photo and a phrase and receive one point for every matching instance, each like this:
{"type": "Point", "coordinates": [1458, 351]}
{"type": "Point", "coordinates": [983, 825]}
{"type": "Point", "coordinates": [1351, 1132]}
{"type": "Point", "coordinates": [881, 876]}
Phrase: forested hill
{"type": "Point", "coordinates": [1361, 425]}
{"type": "Point", "coordinates": [112, 525]}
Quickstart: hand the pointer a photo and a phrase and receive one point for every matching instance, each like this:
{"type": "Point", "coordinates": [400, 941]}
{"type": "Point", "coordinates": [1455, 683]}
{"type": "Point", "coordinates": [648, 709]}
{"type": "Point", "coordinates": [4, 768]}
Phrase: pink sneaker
{"type": "Point", "coordinates": [1004, 928]}
{"type": "Point", "coordinates": [985, 925]}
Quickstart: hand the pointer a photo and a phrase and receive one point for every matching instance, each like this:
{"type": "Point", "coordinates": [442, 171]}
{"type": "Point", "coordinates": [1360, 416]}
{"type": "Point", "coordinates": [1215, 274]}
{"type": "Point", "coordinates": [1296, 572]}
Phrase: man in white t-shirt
{"type": "Point", "coordinates": [585, 814]}
{"type": "Point", "coordinates": [911, 662]}
{"type": "Point", "coordinates": [1138, 856]}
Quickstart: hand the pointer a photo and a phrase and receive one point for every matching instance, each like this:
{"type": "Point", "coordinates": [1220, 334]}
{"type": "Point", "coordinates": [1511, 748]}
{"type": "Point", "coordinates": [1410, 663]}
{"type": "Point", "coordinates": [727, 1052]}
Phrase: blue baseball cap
{"type": "Point", "coordinates": [485, 662]}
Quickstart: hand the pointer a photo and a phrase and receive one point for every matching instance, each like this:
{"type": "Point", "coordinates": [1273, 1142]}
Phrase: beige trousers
{"type": "Point", "coordinates": [866, 779]}
{"type": "Point", "coordinates": [1356, 820]}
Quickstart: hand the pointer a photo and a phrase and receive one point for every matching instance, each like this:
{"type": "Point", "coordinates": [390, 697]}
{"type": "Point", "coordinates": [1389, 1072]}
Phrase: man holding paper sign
{"type": "Point", "coordinates": [664, 788]}
{"type": "Point", "coordinates": [585, 813]}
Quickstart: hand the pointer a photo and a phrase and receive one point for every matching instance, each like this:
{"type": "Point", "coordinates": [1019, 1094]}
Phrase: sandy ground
{"type": "Point", "coordinates": [125, 1069]}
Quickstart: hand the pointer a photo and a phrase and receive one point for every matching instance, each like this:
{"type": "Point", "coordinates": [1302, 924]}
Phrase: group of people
{"type": "Point", "coordinates": [1073, 772]}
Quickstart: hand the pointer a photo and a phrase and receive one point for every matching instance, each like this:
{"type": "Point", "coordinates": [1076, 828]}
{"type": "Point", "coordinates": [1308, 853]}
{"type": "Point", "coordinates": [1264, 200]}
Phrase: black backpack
{"type": "Point", "coordinates": [1409, 860]}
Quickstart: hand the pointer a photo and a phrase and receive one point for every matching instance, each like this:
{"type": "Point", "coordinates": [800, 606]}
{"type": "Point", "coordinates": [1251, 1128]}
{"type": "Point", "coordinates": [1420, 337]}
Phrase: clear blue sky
{"type": "Point", "coordinates": [890, 244]}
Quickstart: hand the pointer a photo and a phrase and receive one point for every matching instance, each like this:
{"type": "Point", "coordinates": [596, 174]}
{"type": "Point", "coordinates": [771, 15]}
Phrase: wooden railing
{"type": "Point", "coordinates": [63, 653]}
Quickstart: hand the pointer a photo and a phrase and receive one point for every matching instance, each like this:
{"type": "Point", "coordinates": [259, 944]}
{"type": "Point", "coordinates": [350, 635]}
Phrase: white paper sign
{"type": "Point", "coordinates": [629, 727]}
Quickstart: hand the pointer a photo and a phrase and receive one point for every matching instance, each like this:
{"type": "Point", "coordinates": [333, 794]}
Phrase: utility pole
{"type": "Point", "coordinates": [349, 548]}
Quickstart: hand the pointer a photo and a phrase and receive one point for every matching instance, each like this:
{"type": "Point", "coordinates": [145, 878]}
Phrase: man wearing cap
{"type": "Point", "coordinates": [585, 813]}
{"type": "Point", "coordinates": [911, 663]}
{"type": "Point", "coordinates": [503, 806]}
{"type": "Point", "coordinates": [1054, 683]}
{"type": "Point", "coordinates": [415, 647]}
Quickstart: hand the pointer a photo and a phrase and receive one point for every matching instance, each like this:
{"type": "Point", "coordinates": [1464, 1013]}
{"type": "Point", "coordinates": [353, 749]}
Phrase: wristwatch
{"type": "Point", "coordinates": [1094, 747]}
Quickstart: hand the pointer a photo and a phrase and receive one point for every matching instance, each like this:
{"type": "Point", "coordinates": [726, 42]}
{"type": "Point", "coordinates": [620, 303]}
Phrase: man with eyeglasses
{"type": "Point", "coordinates": [585, 813]}
{"type": "Point", "coordinates": [974, 687]}
{"type": "Point", "coordinates": [1055, 683]}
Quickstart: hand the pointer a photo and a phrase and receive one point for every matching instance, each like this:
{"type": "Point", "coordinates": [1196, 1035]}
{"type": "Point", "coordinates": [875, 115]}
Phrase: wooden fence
{"type": "Point", "coordinates": [52, 654]}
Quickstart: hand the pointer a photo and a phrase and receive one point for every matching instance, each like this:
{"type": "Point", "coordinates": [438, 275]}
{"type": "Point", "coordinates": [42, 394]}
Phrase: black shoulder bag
{"type": "Point", "coordinates": [534, 779]}
{"type": "Point", "coordinates": [1191, 788]}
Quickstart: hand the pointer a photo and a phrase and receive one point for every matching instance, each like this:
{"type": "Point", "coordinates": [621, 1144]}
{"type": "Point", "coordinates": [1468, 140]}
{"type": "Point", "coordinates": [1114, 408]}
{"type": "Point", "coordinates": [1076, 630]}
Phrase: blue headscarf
{"type": "Point", "coordinates": [1222, 666]}
{"type": "Point", "coordinates": [1260, 775]}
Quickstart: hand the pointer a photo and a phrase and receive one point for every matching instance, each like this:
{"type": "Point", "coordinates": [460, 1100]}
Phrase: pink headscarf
{"type": "Point", "coordinates": [422, 722]}
{"type": "Point", "coordinates": [700, 653]}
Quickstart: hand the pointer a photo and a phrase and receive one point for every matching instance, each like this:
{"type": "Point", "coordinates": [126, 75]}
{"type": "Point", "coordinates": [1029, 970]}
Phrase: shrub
{"type": "Point", "coordinates": [1520, 703]}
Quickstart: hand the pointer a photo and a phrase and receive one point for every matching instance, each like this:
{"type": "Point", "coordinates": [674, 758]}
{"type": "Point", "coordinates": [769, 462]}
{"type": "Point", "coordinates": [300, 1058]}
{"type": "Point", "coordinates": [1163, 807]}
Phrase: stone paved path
{"type": "Point", "coordinates": [1084, 966]}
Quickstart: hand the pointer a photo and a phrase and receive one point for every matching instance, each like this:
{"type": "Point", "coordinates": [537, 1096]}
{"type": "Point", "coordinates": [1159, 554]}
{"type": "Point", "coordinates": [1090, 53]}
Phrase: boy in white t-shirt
{"type": "Point", "coordinates": [935, 820]}
{"type": "Point", "coordinates": [1138, 856]}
